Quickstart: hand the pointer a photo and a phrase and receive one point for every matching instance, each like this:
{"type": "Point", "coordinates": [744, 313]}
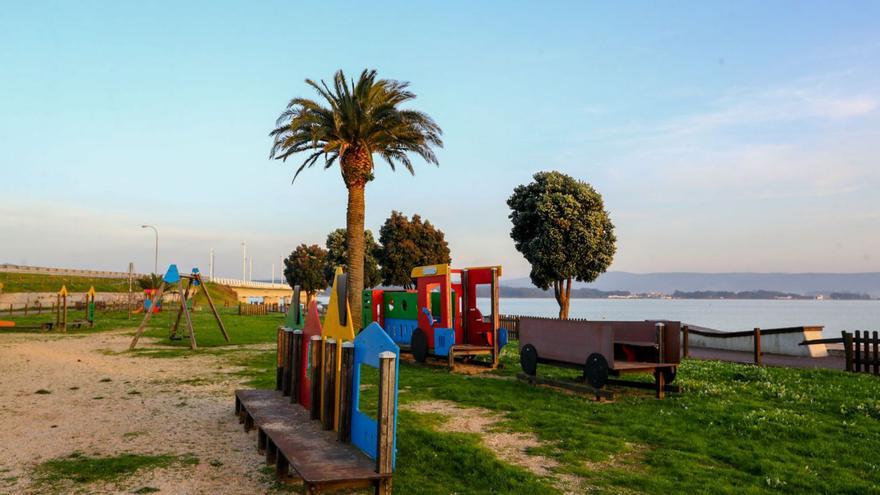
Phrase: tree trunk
{"type": "Point", "coordinates": [355, 237]}
{"type": "Point", "coordinates": [562, 293]}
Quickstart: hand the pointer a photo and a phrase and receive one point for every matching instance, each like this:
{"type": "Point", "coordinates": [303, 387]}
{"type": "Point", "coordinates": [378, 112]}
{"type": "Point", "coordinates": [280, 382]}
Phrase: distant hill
{"type": "Point", "coordinates": [668, 283]}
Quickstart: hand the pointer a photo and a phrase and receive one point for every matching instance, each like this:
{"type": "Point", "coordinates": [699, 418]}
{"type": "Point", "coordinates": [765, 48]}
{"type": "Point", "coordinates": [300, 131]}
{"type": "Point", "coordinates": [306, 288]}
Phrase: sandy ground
{"type": "Point", "coordinates": [146, 407]}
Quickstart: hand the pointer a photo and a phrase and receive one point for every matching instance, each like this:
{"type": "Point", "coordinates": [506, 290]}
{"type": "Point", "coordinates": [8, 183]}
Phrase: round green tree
{"type": "Point", "coordinates": [407, 244]}
{"type": "Point", "coordinates": [561, 227]}
{"type": "Point", "coordinates": [337, 255]}
{"type": "Point", "coordinates": [305, 268]}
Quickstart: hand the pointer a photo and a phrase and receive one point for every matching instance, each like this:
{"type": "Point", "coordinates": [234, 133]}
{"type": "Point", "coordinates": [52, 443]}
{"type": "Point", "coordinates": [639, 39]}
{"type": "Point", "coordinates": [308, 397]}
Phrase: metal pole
{"type": "Point", "coordinates": [156, 259]}
{"type": "Point", "coordinates": [243, 261]}
{"type": "Point", "coordinates": [251, 269]}
{"type": "Point", "coordinates": [273, 273]}
{"type": "Point", "coordinates": [211, 266]}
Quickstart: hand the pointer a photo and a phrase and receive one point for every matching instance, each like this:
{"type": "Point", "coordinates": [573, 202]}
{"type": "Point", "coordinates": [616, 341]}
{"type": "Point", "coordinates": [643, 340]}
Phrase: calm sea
{"type": "Point", "coordinates": [726, 315]}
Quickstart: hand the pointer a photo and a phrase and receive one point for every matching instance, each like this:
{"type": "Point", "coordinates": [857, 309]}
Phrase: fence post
{"type": "Point", "coordinates": [857, 347]}
{"type": "Point", "coordinates": [685, 330]}
{"type": "Point", "coordinates": [661, 340]}
{"type": "Point", "coordinates": [876, 355]}
{"type": "Point", "coordinates": [328, 387]}
{"type": "Point", "coordinates": [315, 357]}
{"type": "Point", "coordinates": [385, 418]}
{"type": "Point", "coordinates": [757, 342]}
{"type": "Point", "coordinates": [345, 377]}
{"type": "Point", "coordinates": [847, 349]}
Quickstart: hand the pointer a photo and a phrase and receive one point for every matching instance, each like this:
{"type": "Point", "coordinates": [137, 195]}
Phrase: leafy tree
{"type": "Point", "coordinates": [561, 227]}
{"type": "Point", "coordinates": [337, 254]}
{"type": "Point", "coordinates": [305, 267]}
{"type": "Point", "coordinates": [361, 119]}
{"type": "Point", "coordinates": [407, 244]}
{"type": "Point", "coordinates": [150, 281]}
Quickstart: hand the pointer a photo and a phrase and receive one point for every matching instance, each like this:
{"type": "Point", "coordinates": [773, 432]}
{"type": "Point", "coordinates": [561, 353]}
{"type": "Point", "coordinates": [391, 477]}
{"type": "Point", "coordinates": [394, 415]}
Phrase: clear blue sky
{"type": "Point", "coordinates": [738, 137]}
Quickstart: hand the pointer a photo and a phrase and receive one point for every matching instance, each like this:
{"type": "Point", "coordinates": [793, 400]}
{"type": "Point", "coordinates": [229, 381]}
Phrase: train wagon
{"type": "Point", "coordinates": [601, 348]}
{"type": "Point", "coordinates": [441, 318]}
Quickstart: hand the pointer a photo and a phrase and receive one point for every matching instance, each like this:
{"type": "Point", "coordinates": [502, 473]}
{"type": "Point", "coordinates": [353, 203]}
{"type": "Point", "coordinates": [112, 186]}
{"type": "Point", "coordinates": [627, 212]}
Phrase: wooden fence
{"type": "Point", "coordinates": [259, 309]}
{"type": "Point", "coordinates": [862, 351]}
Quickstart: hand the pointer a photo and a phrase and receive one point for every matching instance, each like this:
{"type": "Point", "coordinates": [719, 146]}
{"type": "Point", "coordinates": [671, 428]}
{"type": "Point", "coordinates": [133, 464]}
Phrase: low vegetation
{"type": "Point", "coordinates": [78, 468]}
{"type": "Point", "coordinates": [35, 282]}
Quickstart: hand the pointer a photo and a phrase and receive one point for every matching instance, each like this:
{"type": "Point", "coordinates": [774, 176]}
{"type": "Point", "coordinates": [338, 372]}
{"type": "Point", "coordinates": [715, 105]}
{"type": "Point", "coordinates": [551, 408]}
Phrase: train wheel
{"type": "Point", "coordinates": [419, 345]}
{"type": "Point", "coordinates": [528, 359]}
{"type": "Point", "coordinates": [596, 370]}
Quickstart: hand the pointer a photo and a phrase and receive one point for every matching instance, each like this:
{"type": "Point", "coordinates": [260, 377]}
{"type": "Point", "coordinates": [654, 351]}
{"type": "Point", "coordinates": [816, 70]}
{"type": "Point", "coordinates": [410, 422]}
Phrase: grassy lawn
{"type": "Point", "coordinates": [36, 282]}
{"type": "Point", "coordinates": [733, 429]}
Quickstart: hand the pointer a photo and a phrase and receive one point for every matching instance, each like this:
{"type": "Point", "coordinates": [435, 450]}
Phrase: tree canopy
{"type": "Point", "coordinates": [407, 244]}
{"type": "Point", "coordinates": [337, 255]}
{"type": "Point", "coordinates": [561, 227]}
{"type": "Point", "coordinates": [354, 122]}
{"type": "Point", "coordinates": [305, 267]}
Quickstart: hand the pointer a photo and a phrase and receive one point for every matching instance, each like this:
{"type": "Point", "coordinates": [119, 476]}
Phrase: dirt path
{"type": "Point", "coordinates": [104, 402]}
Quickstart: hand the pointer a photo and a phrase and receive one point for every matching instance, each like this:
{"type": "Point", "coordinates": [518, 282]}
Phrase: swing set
{"type": "Point", "coordinates": [193, 281]}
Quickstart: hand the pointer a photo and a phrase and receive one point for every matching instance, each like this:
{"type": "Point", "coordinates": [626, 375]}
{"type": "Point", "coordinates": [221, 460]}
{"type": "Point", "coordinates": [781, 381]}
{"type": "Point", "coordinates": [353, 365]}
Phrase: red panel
{"type": "Point", "coordinates": [311, 328]}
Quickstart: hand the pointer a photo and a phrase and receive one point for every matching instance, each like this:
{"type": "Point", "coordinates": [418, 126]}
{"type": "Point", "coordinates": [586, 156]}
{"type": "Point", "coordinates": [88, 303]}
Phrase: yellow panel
{"type": "Point", "coordinates": [91, 291]}
{"type": "Point", "coordinates": [333, 327]}
{"type": "Point", "coordinates": [63, 291]}
{"type": "Point", "coordinates": [430, 270]}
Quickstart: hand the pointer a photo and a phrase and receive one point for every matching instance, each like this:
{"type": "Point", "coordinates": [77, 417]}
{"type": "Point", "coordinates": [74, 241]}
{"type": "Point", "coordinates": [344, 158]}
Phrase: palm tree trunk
{"type": "Point", "coordinates": [355, 237]}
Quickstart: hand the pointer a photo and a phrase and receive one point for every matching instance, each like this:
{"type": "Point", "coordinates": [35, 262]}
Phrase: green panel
{"type": "Point", "coordinates": [367, 308]}
{"type": "Point", "coordinates": [435, 304]}
{"type": "Point", "coordinates": [401, 304]}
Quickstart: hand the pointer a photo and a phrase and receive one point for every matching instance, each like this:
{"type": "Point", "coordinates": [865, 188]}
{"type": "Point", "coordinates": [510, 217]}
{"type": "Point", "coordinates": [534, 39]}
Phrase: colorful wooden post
{"type": "Point", "coordinates": [373, 347]}
{"type": "Point", "coordinates": [90, 306]}
{"type": "Point", "coordinates": [315, 357]}
{"type": "Point", "coordinates": [61, 317]}
{"type": "Point", "coordinates": [329, 413]}
{"type": "Point", "coordinates": [339, 327]}
{"type": "Point", "coordinates": [345, 393]}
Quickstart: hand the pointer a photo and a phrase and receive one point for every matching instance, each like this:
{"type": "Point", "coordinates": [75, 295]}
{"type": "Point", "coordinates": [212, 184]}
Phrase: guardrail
{"type": "Point", "coordinates": [861, 350]}
{"type": "Point", "coordinates": [232, 282]}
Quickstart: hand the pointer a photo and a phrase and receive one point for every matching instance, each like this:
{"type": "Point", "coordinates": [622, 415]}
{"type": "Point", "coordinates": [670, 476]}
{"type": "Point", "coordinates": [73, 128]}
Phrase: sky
{"type": "Point", "coordinates": [724, 137]}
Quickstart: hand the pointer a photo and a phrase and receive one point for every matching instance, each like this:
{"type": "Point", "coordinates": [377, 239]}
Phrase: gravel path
{"type": "Point", "coordinates": [103, 401]}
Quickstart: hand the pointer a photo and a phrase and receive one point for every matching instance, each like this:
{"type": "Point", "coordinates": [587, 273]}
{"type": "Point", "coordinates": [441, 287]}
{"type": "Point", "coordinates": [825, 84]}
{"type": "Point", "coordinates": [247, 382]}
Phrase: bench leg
{"type": "Point", "coordinates": [237, 406]}
{"type": "Point", "coordinates": [248, 422]}
{"type": "Point", "coordinates": [261, 440]}
{"type": "Point", "coordinates": [271, 451]}
{"type": "Point", "coordinates": [282, 468]}
{"type": "Point", "coordinates": [383, 487]}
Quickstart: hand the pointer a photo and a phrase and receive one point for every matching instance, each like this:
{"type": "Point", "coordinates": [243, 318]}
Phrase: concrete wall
{"type": "Point", "coordinates": [778, 343]}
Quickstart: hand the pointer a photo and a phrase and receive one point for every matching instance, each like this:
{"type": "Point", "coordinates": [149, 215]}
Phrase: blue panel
{"type": "Point", "coordinates": [172, 275]}
{"type": "Point", "coordinates": [400, 330]}
{"type": "Point", "coordinates": [367, 346]}
{"type": "Point", "coordinates": [196, 281]}
{"type": "Point", "coordinates": [502, 338]}
{"type": "Point", "coordinates": [444, 338]}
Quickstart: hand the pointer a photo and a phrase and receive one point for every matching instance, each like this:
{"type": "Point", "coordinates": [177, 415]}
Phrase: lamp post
{"type": "Point", "coordinates": [156, 260]}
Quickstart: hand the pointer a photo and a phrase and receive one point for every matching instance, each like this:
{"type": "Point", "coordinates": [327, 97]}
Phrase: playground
{"type": "Point", "coordinates": [90, 402]}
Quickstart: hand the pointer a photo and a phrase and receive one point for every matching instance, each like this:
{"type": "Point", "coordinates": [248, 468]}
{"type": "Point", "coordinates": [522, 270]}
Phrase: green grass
{"type": "Point", "coordinates": [80, 469]}
{"type": "Point", "coordinates": [36, 282]}
{"type": "Point", "coordinates": [733, 429]}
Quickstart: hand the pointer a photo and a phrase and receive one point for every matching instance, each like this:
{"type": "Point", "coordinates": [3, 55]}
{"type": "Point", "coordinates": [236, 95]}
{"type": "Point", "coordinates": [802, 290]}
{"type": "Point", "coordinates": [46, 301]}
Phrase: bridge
{"type": "Point", "coordinates": [246, 290]}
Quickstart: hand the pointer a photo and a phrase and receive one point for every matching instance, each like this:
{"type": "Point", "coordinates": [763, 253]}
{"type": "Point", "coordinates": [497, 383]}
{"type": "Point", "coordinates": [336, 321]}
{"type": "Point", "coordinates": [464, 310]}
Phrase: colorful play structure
{"type": "Point", "coordinates": [600, 349]}
{"type": "Point", "coordinates": [61, 322]}
{"type": "Point", "coordinates": [440, 318]}
{"type": "Point", "coordinates": [313, 424]}
{"type": "Point", "coordinates": [193, 282]}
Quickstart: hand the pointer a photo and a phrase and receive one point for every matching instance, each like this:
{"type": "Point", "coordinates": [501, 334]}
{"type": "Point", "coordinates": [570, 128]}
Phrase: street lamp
{"type": "Point", "coordinates": [156, 261]}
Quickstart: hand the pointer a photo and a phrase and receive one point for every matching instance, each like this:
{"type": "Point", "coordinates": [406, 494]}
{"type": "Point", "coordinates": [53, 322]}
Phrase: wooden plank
{"type": "Point", "coordinates": [385, 414]}
{"type": "Point", "coordinates": [328, 384]}
{"type": "Point", "coordinates": [857, 349]}
{"type": "Point", "coordinates": [876, 354]}
{"type": "Point", "coordinates": [315, 358]}
{"type": "Point", "coordinates": [345, 383]}
{"type": "Point", "coordinates": [295, 353]}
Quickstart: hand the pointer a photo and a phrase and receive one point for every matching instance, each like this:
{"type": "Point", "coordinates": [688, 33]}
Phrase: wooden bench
{"type": "Point", "coordinates": [291, 441]}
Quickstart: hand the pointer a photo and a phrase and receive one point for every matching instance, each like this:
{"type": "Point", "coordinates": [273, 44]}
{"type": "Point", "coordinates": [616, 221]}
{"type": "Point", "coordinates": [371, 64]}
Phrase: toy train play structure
{"type": "Point", "coordinates": [441, 318]}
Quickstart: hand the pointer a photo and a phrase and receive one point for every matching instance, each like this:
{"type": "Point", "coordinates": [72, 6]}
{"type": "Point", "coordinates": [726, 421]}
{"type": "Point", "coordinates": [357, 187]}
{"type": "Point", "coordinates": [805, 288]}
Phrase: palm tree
{"type": "Point", "coordinates": [362, 119]}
